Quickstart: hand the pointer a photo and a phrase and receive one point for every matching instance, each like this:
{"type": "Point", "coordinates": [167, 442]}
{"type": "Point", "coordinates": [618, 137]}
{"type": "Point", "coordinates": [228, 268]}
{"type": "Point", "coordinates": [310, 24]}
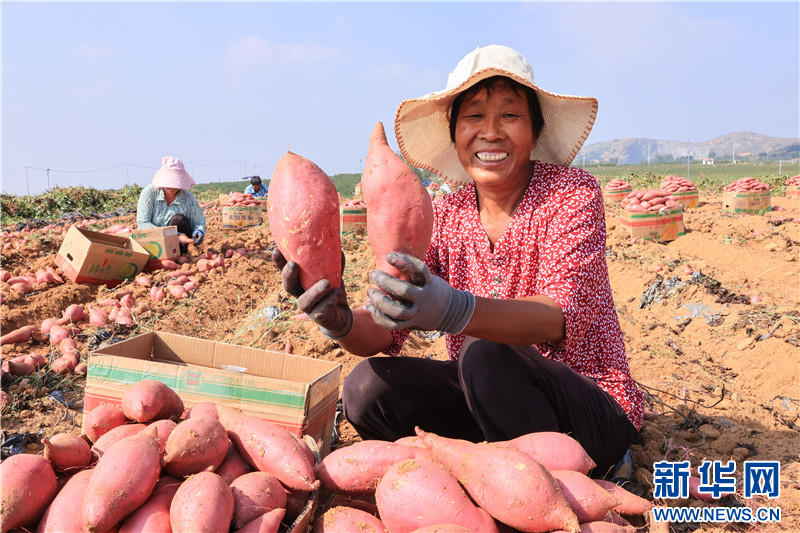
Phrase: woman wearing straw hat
{"type": "Point", "coordinates": [515, 275]}
{"type": "Point", "coordinates": [168, 202]}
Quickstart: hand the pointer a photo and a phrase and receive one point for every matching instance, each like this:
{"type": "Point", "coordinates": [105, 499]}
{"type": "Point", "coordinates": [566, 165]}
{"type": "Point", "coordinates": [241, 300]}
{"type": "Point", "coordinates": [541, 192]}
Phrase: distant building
{"type": "Point", "coordinates": [708, 160]}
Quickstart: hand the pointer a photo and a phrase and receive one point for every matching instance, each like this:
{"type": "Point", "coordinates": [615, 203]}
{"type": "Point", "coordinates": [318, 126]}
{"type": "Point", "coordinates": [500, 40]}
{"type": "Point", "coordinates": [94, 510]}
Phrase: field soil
{"type": "Point", "coordinates": [711, 323]}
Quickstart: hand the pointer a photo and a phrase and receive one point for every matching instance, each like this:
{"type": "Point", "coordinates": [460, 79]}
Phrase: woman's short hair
{"type": "Point", "coordinates": [255, 180]}
{"type": "Point", "coordinates": [494, 82]}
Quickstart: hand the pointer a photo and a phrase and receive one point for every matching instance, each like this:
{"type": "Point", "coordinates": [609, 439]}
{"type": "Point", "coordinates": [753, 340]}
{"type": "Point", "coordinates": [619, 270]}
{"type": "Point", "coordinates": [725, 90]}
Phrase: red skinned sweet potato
{"type": "Point", "coordinates": [420, 492]}
{"type": "Point", "coordinates": [150, 399]}
{"type": "Point", "coordinates": [202, 503]}
{"type": "Point", "coordinates": [60, 516]}
{"type": "Point", "coordinates": [29, 485]}
{"type": "Point", "coordinates": [254, 494]}
{"type": "Point", "coordinates": [102, 419]}
{"type": "Point", "coordinates": [443, 528]}
{"type": "Point", "coordinates": [67, 452]}
{"type": "Point", "coordinates": [269, 448]}
{"type": "Point", "coordinates": [163, 429]}
{"type": "Point", "coordinates": [123, 479]}
{"type": "Point", "coordinates": [555, 451]}
{"type": "Point", "coordinates": [587, 499]}
{"type": "Point", "coordinates": [153, 515]}
{"type": "Point", "coordinates": [22, 334]}
{"type": "Point", "coordinates": [507, 483]}
{"type": "Point", "coordinates": [303, 211]}
{"type": "Point", "coordinates": [233, 465]}
{"type": "Point", "coordinates": [399, 208]}
{"type": "Point", "coordinates": [629, 503]}
{"type": "Point", "coordinates": [339, 519]}
{"type": "Point", "coordinates": [115, 435]}
{"type": "Point", "coordinates": [196, 444]}
{"type": "Point", "coordinates": [356, 469]}
{"type": "Point", "coordinates": [203, 409]}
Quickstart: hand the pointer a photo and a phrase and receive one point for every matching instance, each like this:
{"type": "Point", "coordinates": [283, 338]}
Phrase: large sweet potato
{"type": "Point", "coordinates": [420, 492]}
{"type": "Point", "coordinates": [115, 435]}
{"type": "Point", "coordinates": [587, 499]}
{"type": "Point", "coordinates": [303, 211]}
{"type": "Point", "coordinates": [269, 448]}
{"type": "Point", "coordinates": [338, 519]}
{"type": "Point", "coordinates": [151, 399]}
{"type": "Point", "coordinates": [269, 522]}
{"type": "Point", "coordinates": [28, 486]}
{"type": "Point", "coordinates": [555, 451]}
{"type": "Point", "coordinates": [254, 494]}
{"type": "Point", "coordinates": [203, 503]}
{"type": "Point", "coordinates": [507, 483]}
{"type": "Point", "coordinates": [399, 208]}
{"type": "Point", "coordinates": [153, 515]}
{"type": "Point", "coordinates": [233, 465]}
{"type": "Point", "coordinates": [196, 444]}
{"type": "Point", "coordinates": [60, 516]}
{"type": "Point", "coordinates": [67, 452]}
{"type": "Point", "coordinates": [356, 469]}
{"type": "Point", "coordinates": [123, 479]}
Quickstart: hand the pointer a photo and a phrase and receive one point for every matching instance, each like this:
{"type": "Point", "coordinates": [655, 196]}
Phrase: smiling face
{"type": "Point", "coordinates": [494, 137]}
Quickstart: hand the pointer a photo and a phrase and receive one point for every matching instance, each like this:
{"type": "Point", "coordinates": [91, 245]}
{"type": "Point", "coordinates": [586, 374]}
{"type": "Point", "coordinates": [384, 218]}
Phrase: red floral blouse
{"type": "Point", "coordinates": [555, 246]}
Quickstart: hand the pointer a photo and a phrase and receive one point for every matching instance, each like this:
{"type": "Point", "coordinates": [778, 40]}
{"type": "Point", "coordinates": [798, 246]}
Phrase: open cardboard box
{"type": "Point", "coordinates": [161, 243]}
{"type": "Point", "coordinates": [99, 258]}
{"type": "Point", "coordinates": [297, 393]}
{"type": "Point", "coordinates": [663, 225]}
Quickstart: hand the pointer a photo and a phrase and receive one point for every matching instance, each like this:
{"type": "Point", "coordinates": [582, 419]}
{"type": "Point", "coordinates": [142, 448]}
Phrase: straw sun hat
{"type": "Point", "coordinates": [172, 175]}
{"type": "Point", "coordinates": [423, 129]}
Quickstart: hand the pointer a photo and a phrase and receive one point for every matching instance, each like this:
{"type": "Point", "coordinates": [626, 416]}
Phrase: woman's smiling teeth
{"type": "Point", "coordinates": [492, 156]}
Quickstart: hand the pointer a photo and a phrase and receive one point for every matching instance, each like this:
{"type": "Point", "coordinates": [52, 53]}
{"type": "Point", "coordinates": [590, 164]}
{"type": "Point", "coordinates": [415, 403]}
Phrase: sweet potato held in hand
{"type": "Point", "coordinates": [303, 211]}
{"type": "Point", "coordinates": [399, 208]}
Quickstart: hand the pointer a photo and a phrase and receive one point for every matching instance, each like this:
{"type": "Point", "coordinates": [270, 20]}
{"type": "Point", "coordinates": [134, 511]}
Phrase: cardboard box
{"type": "Point", "coordinates": [296, 393]}
{"type": "Point", "coordinates": [752, 202]}
{"type": "Point", "coordinates": [687, 199]}
{"type": "Point", "coordinates": [663, 225]}
{"type": "Point", "coordinates": [353, 219]}
{"type": "Point", "coordinates": [240, 217]}
{"type": "Point", "coordinates": [617, 195]}
{"type": "Point", "coordinates": [99, 258]}
{"type": "Point", "coordinates": [793, 191]}
{"type": "Point", "coordinates": [161, 243]}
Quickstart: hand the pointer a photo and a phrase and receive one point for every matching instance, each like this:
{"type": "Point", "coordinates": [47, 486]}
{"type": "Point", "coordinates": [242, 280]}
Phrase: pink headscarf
{"type": "Point", "coordinates": [172, 175]}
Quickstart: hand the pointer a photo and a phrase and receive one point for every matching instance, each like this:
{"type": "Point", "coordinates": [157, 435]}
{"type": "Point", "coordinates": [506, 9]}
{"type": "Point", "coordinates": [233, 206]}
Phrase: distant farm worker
{"type": "Point", "coordinates": [168, 202]}
{"type": "Point", "coordinates": [515, 275]}
{"type": "Point", "coordinates": [256, 188]}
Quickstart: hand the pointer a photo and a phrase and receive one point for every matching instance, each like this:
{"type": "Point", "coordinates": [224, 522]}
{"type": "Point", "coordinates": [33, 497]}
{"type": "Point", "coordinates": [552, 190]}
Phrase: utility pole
{"type": "Point", "coordinates": [688, 158]}
{"type": "Point", "coordinates": [27, 185]}
{"type": "Point", "coordinates": [48, 179]}
{"type": "Point", "coordinates": [733, 155]}
{"type": "Point", "coordinates": [126, 175]}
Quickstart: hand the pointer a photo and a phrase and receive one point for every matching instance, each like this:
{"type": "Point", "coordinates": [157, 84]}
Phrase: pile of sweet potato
{"type": "Point", "coordinates": [746, 185]}
{"type": "Point", "coordinates": [617, 184]}
{"type": "Point", "coordinates": [652, 200]}
{"type": "Point", "coordinates": [793, 181]}
{"type": "Point", "coordinates": [240, 199]}
{"type": "Point", "coordinates": [677, 184]}
{"type": "Point", "coordinates": [148, 467]}
{"type": "Point", "coordinates": [536, 482]}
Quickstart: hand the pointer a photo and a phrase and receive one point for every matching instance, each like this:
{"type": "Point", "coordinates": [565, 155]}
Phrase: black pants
{"type": "Point", "coordinates": [494, 392]}
{"type": "Point", "coordinates": [183, 227]}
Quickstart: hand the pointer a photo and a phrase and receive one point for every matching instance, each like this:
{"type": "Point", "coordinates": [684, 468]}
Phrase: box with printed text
{"type": "Point", "coordinates": [161, 243]}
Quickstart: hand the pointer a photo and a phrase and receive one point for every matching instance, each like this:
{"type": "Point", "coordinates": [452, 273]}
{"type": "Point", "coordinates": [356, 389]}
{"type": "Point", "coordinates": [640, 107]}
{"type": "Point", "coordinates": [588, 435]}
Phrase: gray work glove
{"type": "Point", "coordinates": [428, 303]}
{"type": "Point", "coordinates": [198, 236]}
{"type": "Point", "coordinates": [327, 307]}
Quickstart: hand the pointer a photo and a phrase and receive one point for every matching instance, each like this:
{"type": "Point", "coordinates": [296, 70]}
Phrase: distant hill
{"type": "Point", "coordinates": [744, 146]}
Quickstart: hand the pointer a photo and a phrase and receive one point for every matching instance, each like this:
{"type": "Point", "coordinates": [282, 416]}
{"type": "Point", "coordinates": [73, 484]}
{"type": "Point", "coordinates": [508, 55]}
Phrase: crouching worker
{"type": "Point", "coordinates": [168, 202]}
{"type": "Point", "coordinates": [515, 275]}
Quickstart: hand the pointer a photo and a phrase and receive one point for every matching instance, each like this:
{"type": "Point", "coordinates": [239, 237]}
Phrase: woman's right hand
{"type": "Point", "coordinates": [325, 305]}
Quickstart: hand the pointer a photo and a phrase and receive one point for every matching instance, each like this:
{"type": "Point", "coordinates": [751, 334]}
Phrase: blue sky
{"type": "Point", "coordinates": [228, 87]}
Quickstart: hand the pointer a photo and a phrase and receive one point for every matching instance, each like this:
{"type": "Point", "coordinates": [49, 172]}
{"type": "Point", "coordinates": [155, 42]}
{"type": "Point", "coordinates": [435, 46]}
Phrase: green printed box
{"type": "Point", "coordinates": [294, 392]}
{"type": "Point", "coordinates": [99, 258]}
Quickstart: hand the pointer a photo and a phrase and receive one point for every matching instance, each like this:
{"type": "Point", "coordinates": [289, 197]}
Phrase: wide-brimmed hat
{"type": "Point", "coordinates": [172, 175]}
{"type": "Point", "coordinates": [422, 126]}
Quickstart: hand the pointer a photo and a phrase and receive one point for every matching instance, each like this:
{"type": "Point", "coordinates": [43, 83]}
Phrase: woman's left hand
{"type": "Point", "coordinates": [427, 302]}
{"type": "Point", "coordinates": [198, 236]}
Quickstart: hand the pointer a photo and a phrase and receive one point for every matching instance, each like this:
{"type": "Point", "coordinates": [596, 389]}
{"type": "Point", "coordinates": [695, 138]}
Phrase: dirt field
{"type": "Point", "coordinates": [721, 371]}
